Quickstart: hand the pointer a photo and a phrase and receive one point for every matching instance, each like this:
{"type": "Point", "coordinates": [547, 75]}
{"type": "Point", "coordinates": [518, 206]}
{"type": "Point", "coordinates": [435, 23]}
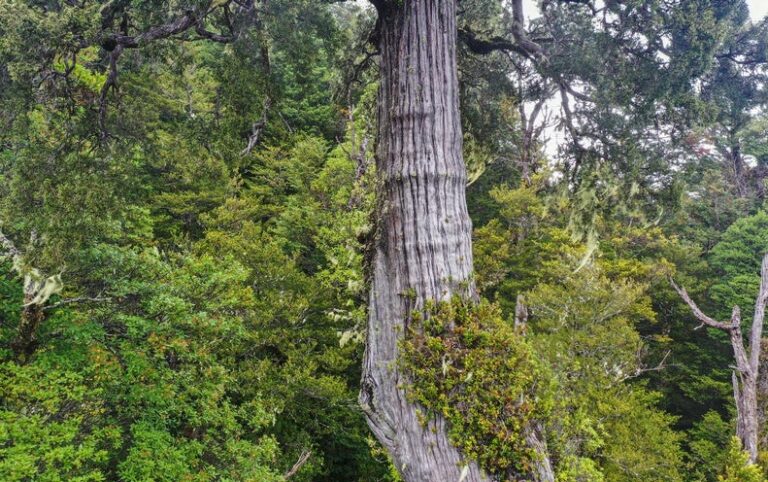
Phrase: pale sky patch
{"type": "Point", "coordinates": [554, 137]}
{"type": "Point", "coordinates": [757, 9]}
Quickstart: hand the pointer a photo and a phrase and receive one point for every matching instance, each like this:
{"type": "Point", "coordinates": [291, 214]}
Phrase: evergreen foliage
{"type": "Point", "coordinates": [205, 312]}
{"type": "Point", "coordinates": [470, 366]}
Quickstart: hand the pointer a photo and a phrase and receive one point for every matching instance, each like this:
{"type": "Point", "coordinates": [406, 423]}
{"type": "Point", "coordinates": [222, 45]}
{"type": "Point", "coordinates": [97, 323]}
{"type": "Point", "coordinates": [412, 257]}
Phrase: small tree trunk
{"type": "Point", "coordinates": [739, 169]}
{"type": "Point", "coordinates": [762, 396]}
{"type": "Point", "coordinates": [32, 316]}
{"type": "Point", "coordinates": [422, 248]}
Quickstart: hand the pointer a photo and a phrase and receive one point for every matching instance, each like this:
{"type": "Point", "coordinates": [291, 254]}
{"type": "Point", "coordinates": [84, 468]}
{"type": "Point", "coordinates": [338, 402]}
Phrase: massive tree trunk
{"type": "Point", "coordinates": [422, 248]}
{"type": "Point", "coordinates": [423, 234]}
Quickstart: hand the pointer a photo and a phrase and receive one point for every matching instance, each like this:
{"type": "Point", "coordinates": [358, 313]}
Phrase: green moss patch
{"type": "Point", "coordinates": [467, 364]}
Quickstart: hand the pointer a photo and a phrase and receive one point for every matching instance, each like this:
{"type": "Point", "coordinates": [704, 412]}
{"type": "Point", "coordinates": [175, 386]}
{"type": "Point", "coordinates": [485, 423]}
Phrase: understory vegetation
{"type": "Point", "coordinates": [187, 223]}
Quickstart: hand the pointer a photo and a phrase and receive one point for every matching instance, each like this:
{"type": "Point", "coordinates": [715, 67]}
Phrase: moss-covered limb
{"type": "Point", "coordinates": [467, 364]}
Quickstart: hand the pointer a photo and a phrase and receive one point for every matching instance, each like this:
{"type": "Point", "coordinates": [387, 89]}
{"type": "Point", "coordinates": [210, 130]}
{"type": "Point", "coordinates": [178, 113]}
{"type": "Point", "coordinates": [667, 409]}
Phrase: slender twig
{"type": "Point", "coordinates": [80, 299]}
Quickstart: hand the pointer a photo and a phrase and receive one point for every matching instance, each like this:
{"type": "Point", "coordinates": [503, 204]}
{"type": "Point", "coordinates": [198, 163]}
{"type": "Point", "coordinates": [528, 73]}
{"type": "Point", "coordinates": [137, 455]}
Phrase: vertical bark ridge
{"type": "Point", "coordinates": [423, 245]}
{"type": "Point", "coordinates": [423, 249]}
{"type": "Point", "coordinates": [762, 395]}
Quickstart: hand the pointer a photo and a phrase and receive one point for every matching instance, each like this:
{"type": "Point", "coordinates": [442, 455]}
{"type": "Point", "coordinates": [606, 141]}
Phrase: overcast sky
{"type": "Point", "coordinates": [757, 8]}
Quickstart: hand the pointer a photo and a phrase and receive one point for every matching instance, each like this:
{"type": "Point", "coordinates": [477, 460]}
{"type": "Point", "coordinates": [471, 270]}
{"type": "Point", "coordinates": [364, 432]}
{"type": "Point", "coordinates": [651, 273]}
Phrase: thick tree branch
{"type": "Point", "coordinates": [299, 464]}
{"type": "Point", "coordinates": [192, 19]}
{"type": "Point", "coordinates": [518, 31]}
{"type": "Point", "coordinates": [487, 46]}
{"type": "Point", "coordinates": [703, 318]}
{"type": "Point", "coordinates": [578, 95]}
{"type": "Point", "coordinates": [521, 43]}
{"type": "Point", "coordinates": [176, 26]}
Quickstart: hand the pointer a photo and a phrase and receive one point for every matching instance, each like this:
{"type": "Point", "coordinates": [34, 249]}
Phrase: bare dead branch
{"type": "Point", "coordinates": [758, 318]}
{"type": "Point", "coordinates": [746, 374]}
{"type": "Point", "coordinates": [704, 319]}
{"type": "Point", "coordinates": [641, 370]}
{"type": "Point", "coordinates": [257, 128]}
{"type": "Point", "coordinates": [80, 299]}
{"type": "Point", "coordinates": [299, 464]}
{"type": "Point", "coordinates": [285, 122]}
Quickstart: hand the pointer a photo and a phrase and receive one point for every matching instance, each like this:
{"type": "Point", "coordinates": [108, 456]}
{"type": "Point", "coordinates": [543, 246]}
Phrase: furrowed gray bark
{"type": "Point", "coordinates": [762, 396]}
{"type": "Point", "coordinates": [423, 247]}
{"type": "Point", "coordinates": [747, 376]}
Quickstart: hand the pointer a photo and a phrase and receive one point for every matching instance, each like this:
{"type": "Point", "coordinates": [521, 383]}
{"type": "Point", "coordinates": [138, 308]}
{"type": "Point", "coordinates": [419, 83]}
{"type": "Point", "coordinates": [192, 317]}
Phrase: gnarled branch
{"type": "Point", "coordinates": [703, 318]}
{"type": "Point", "coordinates": [191, 19]}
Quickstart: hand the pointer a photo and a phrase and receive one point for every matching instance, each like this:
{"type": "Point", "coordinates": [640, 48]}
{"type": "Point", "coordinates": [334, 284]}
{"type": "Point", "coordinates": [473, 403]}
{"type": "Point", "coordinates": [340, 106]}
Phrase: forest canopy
{"type": "Point", "coordinates": [385, 240]}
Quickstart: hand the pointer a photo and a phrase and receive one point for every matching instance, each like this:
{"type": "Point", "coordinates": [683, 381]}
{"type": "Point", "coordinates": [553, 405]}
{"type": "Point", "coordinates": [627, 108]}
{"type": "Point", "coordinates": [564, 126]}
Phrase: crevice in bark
{"type": "Point", "coordinates": [25, 343]}
{"type": "Point", "coordinates": [422, 247]}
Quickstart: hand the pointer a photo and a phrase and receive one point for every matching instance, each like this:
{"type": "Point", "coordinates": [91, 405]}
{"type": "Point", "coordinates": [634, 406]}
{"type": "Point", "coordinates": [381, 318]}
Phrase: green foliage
{"type": "Point", "coordinates": [50, 425]}
{"type": "Point", "coordinates": [468, 365]}
{"type": "Point", "coordinates": [520, 246]}
{"type": "Point", "coordinates": [211, 320]}
{"type": "Point", "coordinates": [737, 258]}
{"type": "Point", "coordinates": [708, 437]}
{"type": "Point", "coordinates": [737, 465]}
{"type": "Point", "coordinates": [601, 426]}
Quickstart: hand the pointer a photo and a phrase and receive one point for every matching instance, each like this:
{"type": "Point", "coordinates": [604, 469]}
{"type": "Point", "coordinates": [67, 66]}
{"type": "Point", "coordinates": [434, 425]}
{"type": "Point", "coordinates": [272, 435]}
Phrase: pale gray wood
{"type": "Point", "coordinates": [422, 246]}
{"type": "Point", "coordinates": [762, 396]}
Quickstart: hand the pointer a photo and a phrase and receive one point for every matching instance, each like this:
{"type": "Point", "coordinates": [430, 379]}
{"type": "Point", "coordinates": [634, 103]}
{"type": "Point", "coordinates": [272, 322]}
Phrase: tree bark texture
{"type": "Point", "coordinates": [762, 396]}
{"type": "Point", "coordinates": [423, 236]}
{"type": "Point", "coordinates": [422, 247]}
